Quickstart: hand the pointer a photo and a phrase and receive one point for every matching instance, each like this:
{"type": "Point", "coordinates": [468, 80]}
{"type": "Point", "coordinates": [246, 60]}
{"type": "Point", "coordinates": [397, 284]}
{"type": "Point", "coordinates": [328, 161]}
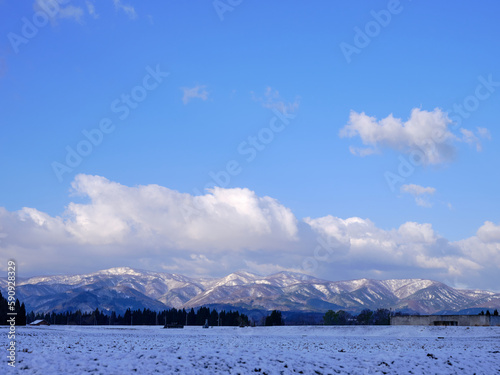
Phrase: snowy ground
{"type": "Point", "coordinates": [261, 350]}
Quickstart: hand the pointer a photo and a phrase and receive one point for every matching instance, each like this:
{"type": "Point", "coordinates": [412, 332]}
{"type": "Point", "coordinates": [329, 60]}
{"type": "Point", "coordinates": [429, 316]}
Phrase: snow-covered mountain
{"type": "Point", "coordinates": [120, 288]}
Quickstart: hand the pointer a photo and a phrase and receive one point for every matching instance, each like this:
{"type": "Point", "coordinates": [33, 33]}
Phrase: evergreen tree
{"type": "Point", "coordinates": [4, 307]}
{"type": "Point", "coordinates": [214, 317]}
{"type": "Point", "coordinates": [21, 315]}
{"type": "Point", "coordinates": [31, 317]}
{"type": "Point", "coordinates": [191, 317]}
{"type": "Point", "coordinates": [18, 311]}
{"type": "Point", "coordinates": [340, 317]}
{"type": "Point", "coordinates": [182, 316]}
{"type": "Point", "coordinates": [275, 319]}
{"type": "Point", "coordinates": [381, 317]}
{"type": "Point", "coordinates": [495, 313]}
{"type": "Point", "coordinates": [202, 314]}
{"type": "Point", "coordinates": [329, 318]}
{"type": "Point", "coordinates": [127, 317]}
{"type": "Point", "coordinates": [365, 317]}
{"type": "Point", "coordinates": [244, 320]}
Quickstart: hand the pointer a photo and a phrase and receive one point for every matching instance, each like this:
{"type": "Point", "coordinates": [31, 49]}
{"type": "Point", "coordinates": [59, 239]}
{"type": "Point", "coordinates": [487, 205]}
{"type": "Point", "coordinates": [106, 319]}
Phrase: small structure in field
{"type": "Point", "coordinates": [445, 320]}
{"type": "Point", "coordinates": [173, 325]}
{"type": "Point", "coordinates": [40, 322]}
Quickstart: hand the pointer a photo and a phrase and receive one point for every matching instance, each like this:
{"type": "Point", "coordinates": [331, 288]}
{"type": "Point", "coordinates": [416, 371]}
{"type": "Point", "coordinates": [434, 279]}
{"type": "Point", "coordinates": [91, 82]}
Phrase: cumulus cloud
{"type": "Point", "coordinates": [420, 193]}
{"type": "Point", "coordinates": [362, 239]}
{"type": "Point", "coordinates": [484, 248]}
{"type": "Point", "coordinates": [489, 233]}
{"type": "Point", "coordinates": [153, 227]}
{"type": "Point", "coordinates": [273, 100]}
{"type": "Point", "coordinates": [198, 91]}
{"type": "Point", "coordinates": [401, 251]}
{"type": "Point", "coordinates": [148, 225]}
{"type": "Point", "coordinates": [426, 134]}
{"type": "Point", "coordinates": [223, 219]}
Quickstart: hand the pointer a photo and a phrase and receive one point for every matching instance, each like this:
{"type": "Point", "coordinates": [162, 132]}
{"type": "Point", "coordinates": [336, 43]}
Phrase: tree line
{"type": "Point", "coordinates": [495, 313]}
{"type": "Point", "coordinates": [145, 317]}
{"type": "Point", "coordinates": [365, 317]}
{"type": "Point", "coordinates": [18, 308]}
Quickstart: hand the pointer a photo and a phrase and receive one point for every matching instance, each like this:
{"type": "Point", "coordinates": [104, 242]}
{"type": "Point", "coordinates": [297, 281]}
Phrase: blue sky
{"type": "Point", "coordinates": [363, 88]}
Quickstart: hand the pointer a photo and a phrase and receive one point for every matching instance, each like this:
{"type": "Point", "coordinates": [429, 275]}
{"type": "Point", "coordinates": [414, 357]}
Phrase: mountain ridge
{"type": "Point", "coordinates": [120, 288]}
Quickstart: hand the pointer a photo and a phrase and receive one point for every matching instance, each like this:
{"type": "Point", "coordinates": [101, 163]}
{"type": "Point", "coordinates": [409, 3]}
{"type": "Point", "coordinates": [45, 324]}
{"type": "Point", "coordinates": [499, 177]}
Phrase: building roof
{"type": "Point", "coordinates": [39, 321]}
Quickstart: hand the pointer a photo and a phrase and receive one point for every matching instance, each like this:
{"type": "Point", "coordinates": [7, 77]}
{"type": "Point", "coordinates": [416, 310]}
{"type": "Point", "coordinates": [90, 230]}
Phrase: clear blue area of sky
{"type": "Point", "coordinates": [430, 54]}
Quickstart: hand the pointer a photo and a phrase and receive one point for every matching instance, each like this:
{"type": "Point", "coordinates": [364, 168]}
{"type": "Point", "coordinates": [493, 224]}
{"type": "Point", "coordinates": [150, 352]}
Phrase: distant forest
{"type": "Point", "coordinates": [191, 317]}
{"type": "Point", "coordinates": [145, 317]}
{"type": "Point", "coordinates": [182, 317]}
{"type": "Point", "coordinates": [365, 317]}
{"type": "Point", "coordinates": [135, 317]}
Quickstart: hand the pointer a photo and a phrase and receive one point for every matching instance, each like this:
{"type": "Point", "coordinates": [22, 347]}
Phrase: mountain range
{"type": "Point", "coordinates": [121, 288]}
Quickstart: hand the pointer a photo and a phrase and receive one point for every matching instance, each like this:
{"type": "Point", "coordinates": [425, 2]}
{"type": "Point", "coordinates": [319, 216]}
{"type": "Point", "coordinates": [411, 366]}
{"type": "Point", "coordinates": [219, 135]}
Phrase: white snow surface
{"type": "Point", "coordinates": [259, 350]}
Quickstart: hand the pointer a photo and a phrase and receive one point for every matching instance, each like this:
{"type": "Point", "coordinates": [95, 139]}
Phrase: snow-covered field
{"type": "Point", "coordinates": [260, 350]}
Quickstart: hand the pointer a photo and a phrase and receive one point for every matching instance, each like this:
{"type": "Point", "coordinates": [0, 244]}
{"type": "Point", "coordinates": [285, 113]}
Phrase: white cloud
{"type": "Point", "coordinates": [358, 151]}
{"type": "Point", "coordinates": [198, 91]}
{"type": "Point", "coordinates": [223, 219]}
{"type": "Point", "coordinates": [426, 134]}
{"type": "Point", "coordinates": [70, 11]}
{"type": "Point", "coordinates": [55, 9]}
{"type": "Point", "coordinates": [484, 248]}
{"type": "Point", "coordinates": [417, 190]}
{"type": "Point", "coordinates": [423, 202]}
{"type": "Point", "coordinates": [91, 9]}
{"type": "Point", "coordinates": [224, 230]}
{"type": "Point", "coordinates": [489, 233]}
{"type": "Point", "coordinates": [272, 100]}
{"type": "Point", "coordinates": [484, 133]}
{"type": "Point", "coordinates": [474, 138]}
{"type": "Point", "coordinates": [128, 9]}
{"type": "Point", "coordinates": [420, 193]}
{"type": "Point", "coordinates": [412, 247]}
